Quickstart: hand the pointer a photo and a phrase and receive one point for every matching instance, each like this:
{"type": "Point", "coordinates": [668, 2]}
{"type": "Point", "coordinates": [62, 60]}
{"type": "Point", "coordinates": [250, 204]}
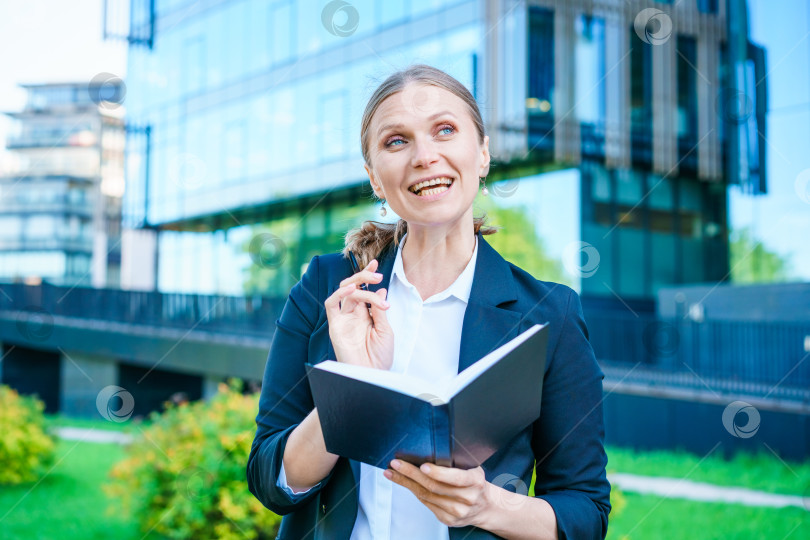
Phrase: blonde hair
{"type": "Point", "coordinates": [372, 237]}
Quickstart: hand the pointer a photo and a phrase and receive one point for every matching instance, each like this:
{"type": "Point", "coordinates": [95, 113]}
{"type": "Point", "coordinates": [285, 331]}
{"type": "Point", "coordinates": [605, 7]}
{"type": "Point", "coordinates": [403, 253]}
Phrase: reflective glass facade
{"type": "Point", "coordinates": [245, 124]}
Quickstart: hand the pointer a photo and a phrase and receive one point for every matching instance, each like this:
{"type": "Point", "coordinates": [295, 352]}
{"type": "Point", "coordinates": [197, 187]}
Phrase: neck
{"type": "Point", "coordinates": [434, 257]}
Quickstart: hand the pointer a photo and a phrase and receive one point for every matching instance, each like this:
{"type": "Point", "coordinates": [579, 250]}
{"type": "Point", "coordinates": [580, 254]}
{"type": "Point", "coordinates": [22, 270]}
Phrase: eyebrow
{"type": "Point", "coordinates": [386, 127]}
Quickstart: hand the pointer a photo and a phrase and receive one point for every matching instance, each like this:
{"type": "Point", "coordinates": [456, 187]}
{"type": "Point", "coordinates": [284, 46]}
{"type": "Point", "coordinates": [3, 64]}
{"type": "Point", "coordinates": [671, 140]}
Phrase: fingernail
{"type": "Point", "coordinates": [395, 464]}
{"type": "Point", "coordinates": [388, 474]}
{"type": "Point", "coordinates": [386, 304]}
{"type": "Point", "coordinates": [425, 468]}
{"type": "Point", "coordinates": [377, 275]}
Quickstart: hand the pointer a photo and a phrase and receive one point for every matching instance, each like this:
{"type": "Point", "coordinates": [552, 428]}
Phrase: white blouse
{"type": "Point", "coordinates": [426, 345]}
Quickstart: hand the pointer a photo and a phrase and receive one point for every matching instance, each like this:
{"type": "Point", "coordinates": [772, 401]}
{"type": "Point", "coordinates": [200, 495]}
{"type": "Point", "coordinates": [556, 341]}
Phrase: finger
{"type": "Point", "coordinates": [367, 275]}
{"type": "Point", "coordinates": [379, 314]}
{"type": "Point", "coordinates": [332, 303]}
{"type": "Point", "coordinates": [414, 474]}
{"type": "Point", "coordinates": [423, 493]}
{"type": "Point", "coordinates": [359, 296]}
{"type": "Point", "coordinates": [453, 476]}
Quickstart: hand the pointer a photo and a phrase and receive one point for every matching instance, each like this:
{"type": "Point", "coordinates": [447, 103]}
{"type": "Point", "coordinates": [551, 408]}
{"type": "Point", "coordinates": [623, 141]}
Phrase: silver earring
{"type": "Point", "coordinates": [484, 191]}
{"type": "Point", "coordinates": [383, 211]}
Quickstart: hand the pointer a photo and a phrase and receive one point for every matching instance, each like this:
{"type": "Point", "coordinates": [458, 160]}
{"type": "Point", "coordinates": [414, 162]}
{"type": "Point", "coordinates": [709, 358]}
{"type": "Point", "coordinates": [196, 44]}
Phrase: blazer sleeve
{"type": "Point", "coordinates": [285, 398]}
{"type": "Point", "coordinates": [568, 438]}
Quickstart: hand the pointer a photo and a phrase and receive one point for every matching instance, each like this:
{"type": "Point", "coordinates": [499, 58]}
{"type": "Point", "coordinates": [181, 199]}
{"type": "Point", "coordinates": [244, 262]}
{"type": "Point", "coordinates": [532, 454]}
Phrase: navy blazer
{"type": "Point", "coordinates": [566, 443]}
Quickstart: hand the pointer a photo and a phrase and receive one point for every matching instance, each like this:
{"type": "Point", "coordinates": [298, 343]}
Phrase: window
{"type": "Point", "coordinates": [707, 6]}
{"type": "Point", "coordinates": [541, 61]}
{"type": "Point", "coordinates": [687, 88]}
{"type": "Point", "coordinates": [640, 84]}
{"type": "Point", "coordinates": [590, 72]}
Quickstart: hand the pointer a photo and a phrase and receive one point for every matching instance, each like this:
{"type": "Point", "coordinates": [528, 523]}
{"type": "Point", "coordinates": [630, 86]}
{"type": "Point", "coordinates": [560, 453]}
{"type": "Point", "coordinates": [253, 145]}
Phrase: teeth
{"type": "Point", "coordinates": [420, 185]}
{"type": "Point", "coordinates": [439, 189]}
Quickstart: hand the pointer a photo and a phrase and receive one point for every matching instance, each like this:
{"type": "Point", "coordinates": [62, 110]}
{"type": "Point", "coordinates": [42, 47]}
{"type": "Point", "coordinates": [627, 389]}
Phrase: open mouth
{"type": "Point", "coordinates": [431, 187]}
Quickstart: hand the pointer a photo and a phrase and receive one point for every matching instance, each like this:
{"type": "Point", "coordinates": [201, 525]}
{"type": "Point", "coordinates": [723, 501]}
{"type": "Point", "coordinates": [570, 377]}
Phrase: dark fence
{"type": "Point", "coordinates": [240, 315]}
{"type": "Point", "coordinates": [767, 359]}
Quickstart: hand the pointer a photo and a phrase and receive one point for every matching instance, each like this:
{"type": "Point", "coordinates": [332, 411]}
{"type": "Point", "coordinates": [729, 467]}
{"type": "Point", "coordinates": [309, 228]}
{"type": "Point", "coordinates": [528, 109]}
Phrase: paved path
{"type": "Point", "coordinates": [698, 491]}
{"type": "Point", "coordinates": [674, 488]}
{"type": "Point", "coordinates": [93, 435]}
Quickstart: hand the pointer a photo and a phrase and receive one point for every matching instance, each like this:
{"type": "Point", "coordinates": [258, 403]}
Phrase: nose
{"type": "Point", "coordinates": [424, 152]}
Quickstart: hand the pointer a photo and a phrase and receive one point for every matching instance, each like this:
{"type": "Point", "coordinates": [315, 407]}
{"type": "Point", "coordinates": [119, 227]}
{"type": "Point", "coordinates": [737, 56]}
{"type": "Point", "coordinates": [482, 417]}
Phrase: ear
{"type": "Point", "coordinates": [374, 184]}
{"type": "Point", "coordinates": [485, 157]}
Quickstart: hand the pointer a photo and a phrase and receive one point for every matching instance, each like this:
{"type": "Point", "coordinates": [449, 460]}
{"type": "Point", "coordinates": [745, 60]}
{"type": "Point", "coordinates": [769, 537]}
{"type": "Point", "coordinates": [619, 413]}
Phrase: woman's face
{"type": "Point", "coordinates": [426, 134]}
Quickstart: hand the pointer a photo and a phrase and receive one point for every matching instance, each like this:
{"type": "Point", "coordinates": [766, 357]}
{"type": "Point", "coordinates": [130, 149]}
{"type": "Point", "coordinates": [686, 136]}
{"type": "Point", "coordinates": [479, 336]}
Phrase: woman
{"type": "Point", "coordinates": [440, 298]}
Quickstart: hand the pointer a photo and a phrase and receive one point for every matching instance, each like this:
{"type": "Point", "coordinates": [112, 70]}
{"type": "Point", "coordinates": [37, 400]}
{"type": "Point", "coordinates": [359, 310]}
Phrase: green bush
{"type": "Point", "coordinates": [26, 449]}
{"type": "Point", "coordinates": [185, 476]}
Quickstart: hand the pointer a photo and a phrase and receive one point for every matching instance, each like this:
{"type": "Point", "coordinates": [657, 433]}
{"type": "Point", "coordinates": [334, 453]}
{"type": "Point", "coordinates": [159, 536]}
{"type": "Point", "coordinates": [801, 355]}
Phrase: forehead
{"type": "Point", "coordinates": [418, 101]}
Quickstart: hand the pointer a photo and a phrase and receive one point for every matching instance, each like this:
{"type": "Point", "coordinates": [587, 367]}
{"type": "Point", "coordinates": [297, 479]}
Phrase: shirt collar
{"type": "Point", "coordinates": [460, 288]}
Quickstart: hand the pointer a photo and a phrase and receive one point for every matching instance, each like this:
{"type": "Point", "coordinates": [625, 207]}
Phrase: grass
{"type": "Point", "coordinates": [650, 517]}
{"type": "Point", "coordinates": [57, 420]}
{"type": "Point", "coordinates": [67, 503]}
{"type": "Point", "coordinates": [763, 471]}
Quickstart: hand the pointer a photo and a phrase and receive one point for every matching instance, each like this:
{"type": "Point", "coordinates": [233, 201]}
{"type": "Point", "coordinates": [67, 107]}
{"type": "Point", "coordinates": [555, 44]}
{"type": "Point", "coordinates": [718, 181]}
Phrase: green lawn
{"type": "Point", "coordinates": [58, 420]}
{"type": "Point", "coordinates": [68, 503]}
{"type": "Point", "coordinates": [763, 471]}
{"type": "Point", "coordinates": [650, 517]}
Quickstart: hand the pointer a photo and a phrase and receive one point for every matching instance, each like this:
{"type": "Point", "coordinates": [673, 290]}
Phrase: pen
{"type": "Point", "coordinates": [356, 269]}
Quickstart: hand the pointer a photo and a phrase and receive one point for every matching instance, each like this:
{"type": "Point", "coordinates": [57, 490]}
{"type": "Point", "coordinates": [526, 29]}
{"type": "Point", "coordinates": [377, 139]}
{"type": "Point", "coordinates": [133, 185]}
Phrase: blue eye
{"type": "Point", "coordinates": [451, 128]}
{"type": "Point", "coordinates": [390, 143]}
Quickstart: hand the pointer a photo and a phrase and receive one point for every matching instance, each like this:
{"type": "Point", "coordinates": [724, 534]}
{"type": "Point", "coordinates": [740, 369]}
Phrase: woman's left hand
{"type": "Point", "coordinates": [457, 497]}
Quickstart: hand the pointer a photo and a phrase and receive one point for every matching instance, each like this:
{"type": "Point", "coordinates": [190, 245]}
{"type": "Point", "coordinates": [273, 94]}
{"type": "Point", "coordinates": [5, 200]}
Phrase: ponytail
{"type": "Point", "coordinates": [369, 240]}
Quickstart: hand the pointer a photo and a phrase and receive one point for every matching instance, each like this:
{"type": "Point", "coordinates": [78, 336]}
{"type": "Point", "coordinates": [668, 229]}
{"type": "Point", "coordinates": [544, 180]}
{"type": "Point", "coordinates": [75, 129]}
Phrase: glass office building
{"type": "Point", "coordinates": [615, 131]}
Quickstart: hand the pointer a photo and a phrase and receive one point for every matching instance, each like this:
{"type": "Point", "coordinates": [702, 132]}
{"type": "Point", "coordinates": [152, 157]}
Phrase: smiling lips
{"type": "Point", "coordinates": [425, 189]}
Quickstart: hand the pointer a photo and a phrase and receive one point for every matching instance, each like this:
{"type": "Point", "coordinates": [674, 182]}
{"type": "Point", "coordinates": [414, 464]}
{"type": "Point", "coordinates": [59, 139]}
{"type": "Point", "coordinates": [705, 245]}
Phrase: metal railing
{"type": "Point", "coordinates": [238, 315]}
{"type": "Point", "coordinates": [769, 359]}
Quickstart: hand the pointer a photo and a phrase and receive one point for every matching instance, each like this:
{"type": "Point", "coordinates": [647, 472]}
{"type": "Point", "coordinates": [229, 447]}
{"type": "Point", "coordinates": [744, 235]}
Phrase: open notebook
{"type": "Point", "coordinates": [373, 415]}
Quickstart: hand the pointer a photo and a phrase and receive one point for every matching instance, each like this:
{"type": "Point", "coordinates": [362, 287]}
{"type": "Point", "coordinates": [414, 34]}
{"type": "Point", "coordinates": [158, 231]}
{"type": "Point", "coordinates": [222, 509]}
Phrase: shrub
{"type": "Point", "coordinates": [185, 477]}
{"type": "Point", "coordinates": [26, 449]}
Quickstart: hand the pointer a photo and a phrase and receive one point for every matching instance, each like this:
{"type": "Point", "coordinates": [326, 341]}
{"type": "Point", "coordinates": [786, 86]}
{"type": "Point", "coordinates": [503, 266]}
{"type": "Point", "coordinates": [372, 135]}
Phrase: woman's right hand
{"type": "Point", "coordinates": [357, 337]}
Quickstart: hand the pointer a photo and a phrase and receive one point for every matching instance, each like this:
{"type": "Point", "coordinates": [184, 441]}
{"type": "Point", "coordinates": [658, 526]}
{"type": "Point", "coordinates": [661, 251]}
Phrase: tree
{"type": "Point", "coordinates": [752, 262]}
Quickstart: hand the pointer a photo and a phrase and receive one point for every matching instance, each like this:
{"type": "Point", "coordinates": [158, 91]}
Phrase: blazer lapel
{"type": "Point", "coordinates": [486, 324]}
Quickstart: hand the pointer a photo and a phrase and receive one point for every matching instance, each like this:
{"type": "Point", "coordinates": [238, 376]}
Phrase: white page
{"type": "Point", "coordinates": [419, 388]}
{"type": "Point", "coordinates": [399, 382]}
